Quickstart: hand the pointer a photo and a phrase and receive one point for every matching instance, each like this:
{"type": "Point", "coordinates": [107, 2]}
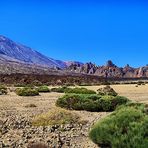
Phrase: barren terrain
{"type": "Point", "coordinates": [15, 119]}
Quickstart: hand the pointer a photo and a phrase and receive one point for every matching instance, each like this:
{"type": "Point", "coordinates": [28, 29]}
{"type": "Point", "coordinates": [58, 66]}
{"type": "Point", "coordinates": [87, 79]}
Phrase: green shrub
{"type": "Point", "coordinates": [107, 91]}
{"type": "Point", "coordinates": [43, 89]}
{"type": "Point", "coordinates": [30, 106]}
{"type": "Point", "coordinates": [79, 91]}
{"type": "Point", "coordinates": [85, 84]}
{"type": "Point", "coordinates": [27, 91]}
{"type": "Point", "coordinates": [106, 104]}
{"type": "Point", "coordinates": [90, 102]}
{"type": "Point", "coordinates": [110, 103]}
{"type": "Point", "coordinates": [127, 127]}
{"type": "Point", "coordinates": [73, 90]}
{"type": "Point", "coordinates": [59, 89]}
{"type": "Point", "coordinates": [3, 90]}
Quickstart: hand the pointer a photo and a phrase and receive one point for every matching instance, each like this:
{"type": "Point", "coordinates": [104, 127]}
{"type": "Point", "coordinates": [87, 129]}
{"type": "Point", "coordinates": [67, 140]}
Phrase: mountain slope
{"type": "Point", "coordinates": [11, 51]}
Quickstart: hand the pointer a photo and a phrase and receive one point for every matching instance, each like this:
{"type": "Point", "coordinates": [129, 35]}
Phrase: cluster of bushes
{"type": "Point", "coordinates": [43, 88]}
{"type": "Point", "coordinates": [140, 83]}
{"type": "Point", "coordinates": [90, 102]}
{"type": "Point", "coordinates": [3, 90]}
{"type": "Point", "coordinates": [32, 91]}
{"type": "Point", "coordinates": [73, 90]}
{"type": "Point", "coordinates": [126, 127]}
{"type": "Point", "coordinates": [59, 89]}
{"type": "Point", "coordinates": [27, 91]}
{"type": "Point", "coordinates": [56, 116]}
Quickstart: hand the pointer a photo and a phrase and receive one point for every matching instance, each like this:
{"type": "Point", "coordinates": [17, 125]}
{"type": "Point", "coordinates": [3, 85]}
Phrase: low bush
{"type": "Point", "coordinates": [107, 91]}
{"type": "Point", "coordinates": [27, 91]}
{"type": "Point", "coordinates": [43, 89]}
{"type": "Point", "coordinates": [59, 89]}
{"type": "Point", "coordinates": [30, 105]}
{"type": "Point", "coordinates": [85, 84]}
{"type": "Point", "coordinates": [110, 103]}
{"type": "Point", "coordinates": [56, 116]}
{"type": "Point", "coordinates": [140, 83]}
{"type": "Point", "coordinates": [37, 145]}
{"type": "Point", "coordinates": [91, 102]}
{"type": "Point", "coordinates": [126, 127]}
{"type": "Point", "coordinates": [3, 90]}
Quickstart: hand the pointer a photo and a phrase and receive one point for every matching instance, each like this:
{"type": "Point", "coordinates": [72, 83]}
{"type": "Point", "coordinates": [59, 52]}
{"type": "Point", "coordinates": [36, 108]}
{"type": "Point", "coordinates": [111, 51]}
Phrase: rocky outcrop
{"type": "Point", "coordinates": [110, 70]}
{"type": "Point", "coordinates": [87, 68]}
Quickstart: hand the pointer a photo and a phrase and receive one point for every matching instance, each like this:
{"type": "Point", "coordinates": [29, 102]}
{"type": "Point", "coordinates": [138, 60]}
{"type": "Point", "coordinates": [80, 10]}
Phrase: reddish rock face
{"type": "Point", "coordinates": [110, 70]}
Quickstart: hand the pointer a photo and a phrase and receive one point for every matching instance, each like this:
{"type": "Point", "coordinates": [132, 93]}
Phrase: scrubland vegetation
{"type": "Point", "coordinates": [3, 90]}
{"type": "Point", "coordinates": [27, 91]}
{"type": "Point", "coordinates": [90, 102]}
{"type": "Point", "coordinates": [43, 88]}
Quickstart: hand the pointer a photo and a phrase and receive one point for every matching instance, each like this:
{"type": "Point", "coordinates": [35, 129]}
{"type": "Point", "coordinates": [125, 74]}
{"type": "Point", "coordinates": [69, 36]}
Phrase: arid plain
{"type": "Point", "coordinates": [18, 117]}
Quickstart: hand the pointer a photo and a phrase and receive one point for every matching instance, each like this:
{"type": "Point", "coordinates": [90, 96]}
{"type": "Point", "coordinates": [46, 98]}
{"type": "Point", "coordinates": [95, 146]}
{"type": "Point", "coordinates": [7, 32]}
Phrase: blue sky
{"type": "Point", "coordinates": [80, 30]}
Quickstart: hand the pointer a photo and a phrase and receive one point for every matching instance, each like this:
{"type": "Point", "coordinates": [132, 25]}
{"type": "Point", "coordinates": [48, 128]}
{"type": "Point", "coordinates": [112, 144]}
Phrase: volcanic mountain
{"type": "Point", "coordinates": [11, 51]}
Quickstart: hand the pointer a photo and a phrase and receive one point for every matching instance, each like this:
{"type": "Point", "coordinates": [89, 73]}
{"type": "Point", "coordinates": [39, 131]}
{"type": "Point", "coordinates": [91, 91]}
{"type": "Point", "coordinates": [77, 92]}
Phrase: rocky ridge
{"type": "Point", "coordinates": [110, 70]}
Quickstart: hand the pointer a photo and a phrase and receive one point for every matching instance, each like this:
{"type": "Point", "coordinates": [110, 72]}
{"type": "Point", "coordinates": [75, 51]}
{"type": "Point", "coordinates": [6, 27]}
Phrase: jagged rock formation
{"type": "Point", "coordinates": [87, 68]}
{"type": "Point", "coordinates": [110, 70]}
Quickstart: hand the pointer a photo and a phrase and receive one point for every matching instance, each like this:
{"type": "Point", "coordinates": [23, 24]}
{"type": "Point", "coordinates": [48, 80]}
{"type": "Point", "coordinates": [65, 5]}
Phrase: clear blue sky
{"type": "Point", "coordinates": [80, 30]}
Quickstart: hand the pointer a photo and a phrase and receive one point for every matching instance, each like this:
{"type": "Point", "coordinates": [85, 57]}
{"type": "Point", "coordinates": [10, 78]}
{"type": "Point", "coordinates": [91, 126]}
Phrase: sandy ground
{"type": "Point", "coordinates": [139, 94]}
{"type": "Point", "coordinates": [11, 104]}
{"type": "Point", "coordinates": [16, 104]}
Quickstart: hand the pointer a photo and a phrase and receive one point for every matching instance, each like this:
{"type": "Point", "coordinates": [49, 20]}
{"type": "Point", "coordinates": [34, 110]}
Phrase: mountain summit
{"type": "Point", "coordinates": [12, 51]}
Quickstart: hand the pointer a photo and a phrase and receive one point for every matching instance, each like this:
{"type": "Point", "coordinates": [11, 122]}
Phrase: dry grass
{"type": "Point", "coordinates": [56, 116]}
{"type": "Point", "coordinates": [139, 94]}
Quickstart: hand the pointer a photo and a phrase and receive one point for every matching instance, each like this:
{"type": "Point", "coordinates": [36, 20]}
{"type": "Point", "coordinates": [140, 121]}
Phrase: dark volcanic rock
{"type": "Point", "coordinates": [110, 64]}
